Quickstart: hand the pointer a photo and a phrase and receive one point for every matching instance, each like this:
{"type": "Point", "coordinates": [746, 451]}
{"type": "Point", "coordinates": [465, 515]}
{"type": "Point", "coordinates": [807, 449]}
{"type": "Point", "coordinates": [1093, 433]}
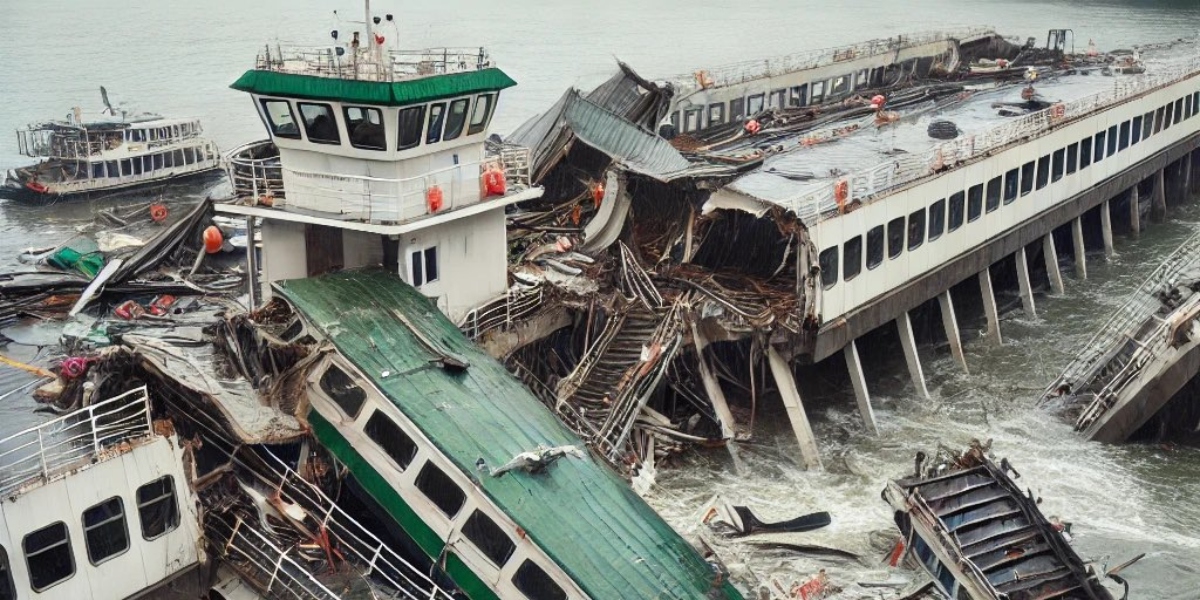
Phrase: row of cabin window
{"type": "Point", "coordinates": [445, 121]}
{"type": "Point", "coordinates": [483, 532]}
{"type": "Point", "coordinates": [48, 550]}
{"type": "Point", "coordinates": [162, 133]}
{"type": "Point", "coordinates": [979, 198]}
{"type": "Point", "coordinates": [797, 96]}
{"type": "Point", "coordinates": [151, 162]}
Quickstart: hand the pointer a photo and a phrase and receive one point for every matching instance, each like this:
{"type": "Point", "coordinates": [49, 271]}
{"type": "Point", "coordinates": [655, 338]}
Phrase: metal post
{"type": "Point", "coordinates": [1080, 249]}
{"type": "Point", "coordinates": [950, 323]}
{"type": "Point", "coordinates": [786, 384]}
{"type": "Point", "coordinates": [1023, 283]}
{"type": "Point", "coordinates": [1160, 195]}
{"type": "Point", "coordinates": [909, 343]}
{"type": "Point", "coordinates": [1186, 182]}
{"type": "Point", "coordinates": [1135, 214]}
{"type": "Point", "coordinates": [1051, 255]}
{"type": "Point", "coordinates": [251, 263]}
{"type": "Point", "coordinates": [859, 381]}
{"type": "Point", "coordinates": [989, 307]}
{"type": "Point", "coordinates": [1106, 229]}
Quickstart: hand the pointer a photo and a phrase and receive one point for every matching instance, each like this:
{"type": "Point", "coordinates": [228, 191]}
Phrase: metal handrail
{"type": "Point", "coordinates": [257, 558]}
{"type": "Point", "coordinates": [55, 448]}
{"type": "Point", "coordinates": [371, 63]}
{"type": "Point", "coordinates": [516, 303]}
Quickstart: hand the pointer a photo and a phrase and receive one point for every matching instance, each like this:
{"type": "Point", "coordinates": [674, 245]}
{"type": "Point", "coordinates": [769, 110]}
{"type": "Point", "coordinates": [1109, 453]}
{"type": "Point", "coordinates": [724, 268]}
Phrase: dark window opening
{"type": "Point", "coordinates": [992, 200]}
{"type": "Point", "coordinates": [1072, 158]}
{"type": "Point", "coordinates": [1085, 152]}
{"type": "Point", "coordinates": [737, 109]}
{"type": "Point", "coordinates": [424, 266]}
{"type": "Point", "coordinates": [1012, 180]}
{"type": "Point", "coordinates": [489, 538]}
{"type": "Point", "coordinates": [157, 507]}
{"type": "Point", "coordinates": [7, 591]}
{"type": "Point", "coordinates": [137, 166]}
{"type": "Point", "coordinates": [777, 99]}
{"type": "Point", "coordinates": [716, 114]}
{"type": "Point", "coordinates": [437, 118]}
{"type": "Point", "coordinates": [1098, 147]}
{"type": "Point", "coordinates": [974, 202]}
{"type": "Point", "coordinates": [1178, 111]}
{"type": "Point", "coordinates": [874, 246]}
{"type": "Point", "coordinates": [937, 219]}
{"type": "Point", "coordinates": [1136, 131]}
{"type": "Point", "coordinates": [104, 530]}
{"type": "Point", "coordinates": [799, 96]}
{"type": "Point", "coordinates": [852, 258]}
{"type": "Point", "coordinates": [916, 229]}
{"type": "Point", "coordinates": [1123, 137]}
{"type": "Point", "coordinates": [98, 169]}
{"type": "Point", "coordinates": [391, 439]}
{"type": "Point", "coordinates": [457, 118]}
{"type": "Point", "coordinates": [818, 92]}
{"type": "Point", "coordinates": [320, 123]}
{"type": "Point", "coordinates": [1027, 171]}
{"type": "Point", "coordinates": [536, 584]}
{"type": "Point", "coordinates": [440, 489]}
{"type": "Point", "coordinates": [1112, 141]}
{"type": "Point", "coordinates": [1147, 124]}
{"type": "Point", "coordinates": [1043, 171]}
{"type": "Point", "coordinates": [841, 85]}
{"type": "Point", "coordinates": [341, 388]}
{"type": "Point", "coordinates": [158, 161]}
{"type": "Point", "coordinates": [482, 113]}
{"type": "Point", "coordinates": [112, 168]}
{"type": "Point", "coordinates": [1170, 110]}
{"type": "Point", "coordinates": [1158, 119]}
{"type": "Point", "coordinates": [828, 263]}
{"type": "Point", "coordinates": [691, 120]}
{"type": "Point", "coordinates": [1057, 166]}
{"type": "Point", "coordinates": [365, 126]}
{"type": "Point", "coordinates": [895, 234]}
{"type": "Point", "coordinates": [412, 119]}
{"type": "Point", "coordinates": [754, 105]}
{"type": "Point", "coordinates": [675, 121]}
{"type": "Point", "coordinates": [48, 555]}
{"type": "Point", "coordinates": [958, 202]}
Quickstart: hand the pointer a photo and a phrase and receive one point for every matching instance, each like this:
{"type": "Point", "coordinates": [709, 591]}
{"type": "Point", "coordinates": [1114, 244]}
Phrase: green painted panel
{"type": "Point", "coordinates": [425, 89]}
{"type": "Point", "coordinates": [459, 571]}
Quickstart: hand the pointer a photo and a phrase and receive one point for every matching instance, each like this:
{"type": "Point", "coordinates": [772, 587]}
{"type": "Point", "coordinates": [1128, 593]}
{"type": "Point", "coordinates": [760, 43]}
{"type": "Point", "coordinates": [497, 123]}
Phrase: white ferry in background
{"type": "Point", "coordinates": [84, 158]}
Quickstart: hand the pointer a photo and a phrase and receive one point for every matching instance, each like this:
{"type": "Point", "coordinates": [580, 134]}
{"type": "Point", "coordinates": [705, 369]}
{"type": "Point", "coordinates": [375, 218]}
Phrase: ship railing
{"type": "Point", "coordinates": [514, 304]}
{"type": "Point", "coordinates": [257, 178]}
{"type": "Point", "coordinates": [268, 567]}
{"type": "Point", "coordinates": [56, 448]}
{"type": "Point", "coordinates": [742, 72]}
{"type": "Point", "coordinates": [367, 63]}
{"type": "Point", "coordinates": [818, 202]}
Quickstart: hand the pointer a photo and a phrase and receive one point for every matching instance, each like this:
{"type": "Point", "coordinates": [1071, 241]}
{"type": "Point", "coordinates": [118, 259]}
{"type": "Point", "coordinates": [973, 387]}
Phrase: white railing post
{"type": "Point", "coordinates": [42, 456]}
{"type": "Point", "coordinates": [94, 425]}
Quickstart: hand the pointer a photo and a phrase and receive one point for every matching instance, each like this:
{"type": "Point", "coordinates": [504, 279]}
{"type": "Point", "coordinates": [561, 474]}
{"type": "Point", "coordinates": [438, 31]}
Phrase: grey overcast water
{"type": "Point", "coordinates": [178, 58]}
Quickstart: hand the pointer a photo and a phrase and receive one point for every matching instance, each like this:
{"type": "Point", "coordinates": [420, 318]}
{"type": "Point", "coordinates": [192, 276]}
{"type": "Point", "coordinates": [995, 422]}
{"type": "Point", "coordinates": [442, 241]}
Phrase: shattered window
{"type": "Point", "coordinates": [895, 237]}
{"type": "Point", "coordinates": [457, 118]}
{"type": "Point", "coordinates": [737, 109]}
{"type": "Point", "coordinates": [778, 97]}
{"type": "Point", "coordinates": [754, 104]}
{"type": "Point", "coordinates": [1136, 132]}
{"type": "Point", "coordinates": [1043, 171]}
{"type": "Point", "coordinates": [437, 115]}
{"type": "Point", "coordinates": [6, 582]}
{"type": "Point", "coordinates": [440, 489]}
{"type": "Point", "coordinates": [48, 555]}
{"type": "Point", "coordinates": [320, 123]}
{"type": "Point", "coordinates": [411, 120]}
{"type": "Point", "coordinates": [157, 508]}
{"type": "Point", "coordinates": [875, 246]}
{"type": "Point", "coordinates": [1072, 158]}
{"type": "Point", "coordinates": [1098, 147]}
{"type": "Point", "coordinates": [799, 96]}
{"type": "Point", "coordinates": [1124, 137]}
{"type": "Point", "coordinates": [1011, 181]}
{"type": "Point", "coordinates": [993, 194]}
{"type": "Point", "coordinates": [974, 202]}
{"type": "Point", "coordinates": [716, 113]}
{"type": "Point", "coordinates": [391, 439]}
{"type": "Point", "coordinates": [483, 110]}
{"type": "Point", "coordinates": [365, 126]}
{"type": "Point", "coordinates": [280, 118]}
{"type": "Point", "coordinates": [958, 201]}
{"type": "Point", "coordinates": [1056, 164]}
{"type": "Point", "coordinates": [1027, 178]}
{"type": "Point", "coordinates": [536, 584]}
{"type": "Point", "coordinates": [489, 538]}
{"type": "Point", "coordinates": [852, 258]}
{"type": "Point", "coordinates": [1112, 140]}
{"type": "Point", "coordinates": [916, 230]}
{"type": "Point", "coordinates": [862, 79]}
{"type": "Point", "coordinates": [343, 391]}
{"type": "Point", "coordinates": [1147, 124]}
{"type": "Point", "coordinates": [937, 219]}
{"type": "Point", "coordinates": [828, 263]}
{"type": "Point", "coordinates": [104, 530]}
{"type": "Point", "coordinates": [841, 85]}
{"type": "Point", "coordinates": [1085, 152]}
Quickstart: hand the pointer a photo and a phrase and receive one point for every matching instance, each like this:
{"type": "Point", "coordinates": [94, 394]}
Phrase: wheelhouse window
{"type": "Point", "coordinates": [737, 109]}
{"type": "Point", "coordinates": [1085, 153]}
{"type": "Point", "coordinates": [48, 556]}
{"type": "Point", "coordinates": [342, 389]}
{"type": "Point", "coordinates": [992, 200]}
{"type": "Point", "coordinates": [7, 591]}
{"type": "Point", "coordinates": [365, 126]}
{"type": "Point", "coordinates": [489, 537]}
{"type": "Point", "coordinates": [874, 246]}
{"type": "Point", "coordinates": [440, 489]}
{"type": "Point", "coordinates": [1057, 166]}
{"type": "Point", "coordinates": [852, 258]}
{"type": "Point", "coordinates": [1043, 171]}
{"type": "Point", "coordinates": [391, 439]}
{"type": "Point", "coordinates": [716, 113]}
{"type": "Point", "coordinates": [1027, 172]}
{"type": "Point", "coordinates": [1136, 130]}
{"type": "Point", "coordinates": [320, 124]}
{"type": "Point", "coordinates": [1098, 147]}
{"type": "Point", "coordinates": [828, 263]}
{"type": "Point", "coordinates": [158, 510]}
{"type": "Point", "coordinates": [437, 118]}
{"type": "Point", "coordinates": [895, 233]}
{"type": "Point", "coordinates": [974, 202]}
{"type": "Point", "coordinates": [1072, 158]}
{"type": "Point", "coordinates": [754, 104]}
{"type": "Point", "coordinates": [1123, 137]}
{"type": "Point", "coordinates": [482, 113]}
{"type": "Point", "coordinates": [1012, 180]}
{"type": "Point", "coordinates": [937, 219]}
{"type": "Point", "coordinates": [535, 583]}
{"type": "Point", "coordinates": [958, 201]}
{"type": "Point", "coordinates": [916, 230]}
{"type": "Point", "coordinates": [423, 266]}
{"type": "Point", "coordinates": [457, 119]}
{"type": "Point", "coordinates": [411, 121]}
{"type": "Point", "coordinates": [104, 530]}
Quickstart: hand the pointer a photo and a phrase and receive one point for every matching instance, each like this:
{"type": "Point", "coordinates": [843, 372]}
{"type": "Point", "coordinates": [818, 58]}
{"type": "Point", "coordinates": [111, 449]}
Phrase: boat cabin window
{"type": "Point", "coordinates": [536, 584]}
{"type": "Point", "coordinates": [489, 538]}
{"type": "Point", "coordinates": [754, 105]}
{"type": "Point", "coordinates": [343, 391]}
{"type": "Point", "coordinates": [799, 96]}
{"type": "Point", "coordinates": [169, 159]}
{"type": "Point", "coordinates": [874, 246]}
{"type": "Point", "coordinates": [916, 230]}
{"type": "Point", "coordinates": [1123, 137]}
{"type": "Point", "coordinates": [104, 530]}
{"type": "Point", "coordinates": [1136, 131]}
{"type": "Point", "coordinates": [1178, 111]}
{"type": "Point", "coordinates": [675, 120]}
{"type": "Point", "coordinates": [97, 170]}
{"type": "Point", "coordinates": [1011, 185]}
{"type": "Point", "coordinates": [126, 167]}
{"type": "Point", "coordinates": [737, 109]}
{"type": "Point", "coordinates": [691, 120]}
{"type": "Point", "coordinates": [457, 118]}
{"type": "Point", "coordinates": [1158, 119]}
{"type": "Point", "coordinates": [958, 201]}
{"type": "Point", "coordinates": [137, 165]}
{"type": "Point", "coordinates": [1043, 171]}
{"type": "Point", "coordinates": [158, 510]}
{"type": "Point", "coordinates": [1057, 167]}
{"type": "Point", "coordinates": [7, 591]}
{"type": "Point", "coordinates": [716, 114]}
{"type": "Point", "coordinates": [158, 161]}
{"type": "Point", "coordinates": [280, 119]}
{"type": "Point", "coordinates": [440, 489]}
{"type": "Point", "coordinates": [895, 233]}
{"type": "Point", "coordinates": [992, 200]}
{"type": "Point", "coordinates": [391, 439]}
{"type": "Point", "coordinates": [1085, 152]}
{"type": "Point", "coordinates": [779, 98]}
{"type": "Point", "coordinates": [861, 81]}
{"type": "Point", "coordinates": [437, 116]}
{"type": "Point", "coordinates": [320, 123]}
{"type": "Point", "coordinates": [841, 85]}
{"type": "Point", "coordinates": [423, 266]}
{"type": "Point", "coordinates": [411, 121]}
{"type": "Point", "coordinates": [1147, 124]}
{"type": "Point", "coordinates": [1027, 172]}
{"type": "Point", "coordinates": [365, 127]}
{"type": "Point", "coordinates": [483, 110]}
{"type": "Point", "coordinates": [974, 202]}
{"type": "Point", "coordinates": [937, 219]}
{"type": "Point", "coordinates": [112, 168]}
{"type": "Point", "coordinates": [852, 258]}
{"type": "Point", "coordinates": [1072, 158]}
{"type": "Point", "coordinates": [828, 263]}
{"type": "Point", "coordinates": [1098, 147]}
{"type": "Point", "coordinates": [1195, 103]}
{"type": "Point", "coordinates": [48, 555]}
{"type": "Point", "coordinates": [818, 92]}
{"type": "Point", "coordinates": [1112, 140]}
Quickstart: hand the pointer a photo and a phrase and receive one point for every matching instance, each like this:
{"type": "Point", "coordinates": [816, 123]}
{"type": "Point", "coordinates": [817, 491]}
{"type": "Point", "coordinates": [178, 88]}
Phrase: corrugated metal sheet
{"type": "Point", "coordinates": [585, 517]}
{"type": "Point", "coordinates": [310, 87]}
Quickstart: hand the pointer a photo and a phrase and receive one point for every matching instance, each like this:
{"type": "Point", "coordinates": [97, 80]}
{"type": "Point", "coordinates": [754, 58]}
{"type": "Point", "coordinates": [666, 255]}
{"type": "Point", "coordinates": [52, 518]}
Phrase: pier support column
{"type": "Point", "coordinates": [989, 307]}
{"type": "Point", "coordinates": [1023, 284]}
{"type": "Point", "coordinates": [1193, 170]}
{"type": "Point", "coordinates": [1158, 208]}
{"type": "Point", "coordinates": [859, 382]}
{"type": "Point", "coordinates": [716, 396]}
{"type": "Point", "coordinates": [1186, 176]}
{"type": "Point", "coordinates": [1106, 229]}
{"type": "Point", "coordinates": [1051, 254]}
{"type": "Point", "coordinates": [786, 383]}
{"type": "Point", "coordinates": [950, 323]}
{"type": "Point", "coordinates": [1135, 215]}
{"type": "Point", "coordinates": [1080, 248]}
{"type": "Point", "coordinates": [909, 342]}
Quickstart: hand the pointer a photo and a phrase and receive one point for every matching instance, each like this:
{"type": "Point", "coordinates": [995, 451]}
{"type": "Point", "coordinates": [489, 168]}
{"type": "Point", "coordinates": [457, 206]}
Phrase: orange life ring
{"type": "Point", "coordinates": [213, 240]}
{"type": "Point", "coordinates": [158, 212]}
{"type": "Point", "coordinates": [753, 126]}
{"type": "Point", "coordinates": [841, 192]}
{"type": "Point", "coordinates": [434, 198]}
{"type": "Point", "coordinates": [494, 183]}
{"type": "Point", "coordinates": [38, 188]}
{"type": "Point", "coordinates": [1058, 111]}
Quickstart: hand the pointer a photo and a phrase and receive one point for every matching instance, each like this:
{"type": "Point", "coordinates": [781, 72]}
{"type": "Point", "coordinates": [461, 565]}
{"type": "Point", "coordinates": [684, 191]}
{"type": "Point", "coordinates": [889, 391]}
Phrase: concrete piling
{"type": "Point", "coordinates": [1052, 271]}
{"type": "Point", "coordinates": [909, 343]}
{"type": "Point", "coordinates": [1023, 282]}
{"type": "Point", "coordinates": [989, 307]}
{"type": "Point", "coordinates": [786, 382]}
{"type": "Point", "coordinates": [1080, 248]}
{"type": "Point", "coordinates": [950, 323]}
{"type": "Point", "coordinates": [859, 381]}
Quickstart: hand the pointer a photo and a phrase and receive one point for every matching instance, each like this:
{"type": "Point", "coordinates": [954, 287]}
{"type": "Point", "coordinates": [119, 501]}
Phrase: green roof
{"type": "Point", "coordinates": [579, 511]}
{"type": "Point", "coordinates": [413, 91]}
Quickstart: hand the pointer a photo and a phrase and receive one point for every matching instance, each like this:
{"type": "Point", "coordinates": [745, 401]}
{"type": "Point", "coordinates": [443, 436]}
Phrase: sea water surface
{"type": "Point", "coordinates": [178, 59]}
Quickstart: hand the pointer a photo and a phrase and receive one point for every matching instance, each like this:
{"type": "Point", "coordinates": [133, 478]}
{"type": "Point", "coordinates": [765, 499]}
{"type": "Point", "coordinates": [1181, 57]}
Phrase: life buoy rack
{"type": "Point", "coordinates": [1058, 111]}
{"type": "Point", "coordinates": [158, 212]}
{"type": "Point", "coordinates": [841, 193]}
{"type": "Point", "coordinates": [434, 198]}
{"type": "Point", "coordinates": [37, 188]}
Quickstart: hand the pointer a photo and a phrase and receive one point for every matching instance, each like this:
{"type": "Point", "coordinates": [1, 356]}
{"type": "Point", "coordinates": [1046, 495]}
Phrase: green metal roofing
{"type": "Point", "coordinates": [412, 91]}
{"type": "Point", "coordinates": [580, 512]}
